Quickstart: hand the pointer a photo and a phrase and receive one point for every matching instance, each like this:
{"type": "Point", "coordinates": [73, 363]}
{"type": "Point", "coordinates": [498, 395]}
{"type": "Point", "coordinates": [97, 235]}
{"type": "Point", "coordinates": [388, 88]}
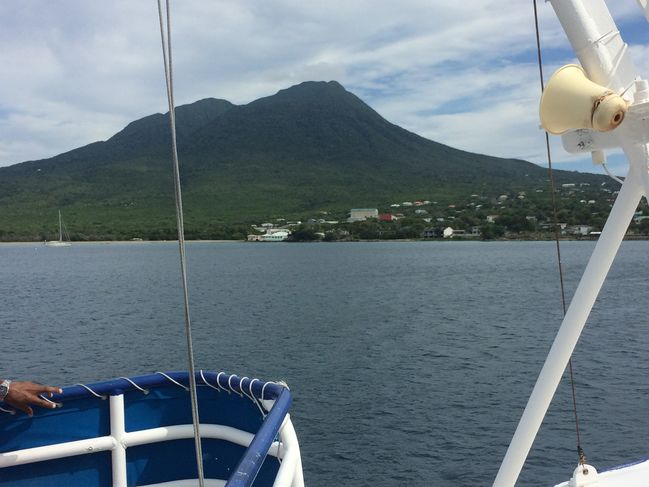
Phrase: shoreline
{"type": "Point", "coordinates": [117, 242]}
{"type": "Point", "coordinates": [411, 240]}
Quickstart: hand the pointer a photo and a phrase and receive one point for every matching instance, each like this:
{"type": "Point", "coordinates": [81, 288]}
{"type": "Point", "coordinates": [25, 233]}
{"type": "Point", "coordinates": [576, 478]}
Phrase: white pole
{"type": "Point", "coordinates": [52, 452]}
{"type": "Point", "coordinates": [60, 228]}
{"type": "Point", "coordinates": [571, 328]}
{"type": "Point", "coordinates": [117, 431]}
{"type": "Point", "coordinates": [597, 42]}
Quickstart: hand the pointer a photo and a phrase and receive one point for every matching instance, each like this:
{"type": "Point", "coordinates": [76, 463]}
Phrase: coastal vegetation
{"type": "Point", "coordinates": [581, 213]}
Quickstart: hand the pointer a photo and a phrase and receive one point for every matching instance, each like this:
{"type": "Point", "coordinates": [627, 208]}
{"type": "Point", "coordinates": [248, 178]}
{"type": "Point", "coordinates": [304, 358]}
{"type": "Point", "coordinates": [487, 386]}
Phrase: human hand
{"type": "Point", "coordinates": [22, 395]}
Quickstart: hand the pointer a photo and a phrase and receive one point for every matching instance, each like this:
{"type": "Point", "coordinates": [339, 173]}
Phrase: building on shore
{"type": "Point", "coordinates": [271, 235]}
{"type": "Point", "coordinates": [362, 214]}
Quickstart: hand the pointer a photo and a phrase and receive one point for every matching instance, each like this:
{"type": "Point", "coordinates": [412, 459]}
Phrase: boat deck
{"type": "Point", "coordinates": [631, 475]}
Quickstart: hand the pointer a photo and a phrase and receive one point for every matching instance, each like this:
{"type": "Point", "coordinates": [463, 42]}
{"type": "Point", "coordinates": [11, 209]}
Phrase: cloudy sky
{"type": "Point", "coordinates": [460, 73]}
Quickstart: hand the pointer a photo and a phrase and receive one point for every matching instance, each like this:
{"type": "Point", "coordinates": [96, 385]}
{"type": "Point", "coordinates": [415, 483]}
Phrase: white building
{"type": "Point", "coordinates": [362, 214]}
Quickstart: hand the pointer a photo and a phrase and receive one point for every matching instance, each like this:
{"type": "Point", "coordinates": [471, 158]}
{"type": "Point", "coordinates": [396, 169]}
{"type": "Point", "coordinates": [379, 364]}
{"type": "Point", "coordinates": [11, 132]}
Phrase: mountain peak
{"type": "Point", "coordinates": [310, 92]}
{"type": "Point", "coordinates": [316, 86]}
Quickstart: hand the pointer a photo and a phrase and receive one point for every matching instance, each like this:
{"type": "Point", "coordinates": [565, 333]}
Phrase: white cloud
{"type": "Point", "coordinates": [461, 73]}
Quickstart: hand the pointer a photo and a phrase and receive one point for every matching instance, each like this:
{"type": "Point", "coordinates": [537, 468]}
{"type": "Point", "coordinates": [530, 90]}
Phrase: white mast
{"type": "Point", "coordinates": [60, 228]}
{"type": "Point", "coordinates": [603, 54]}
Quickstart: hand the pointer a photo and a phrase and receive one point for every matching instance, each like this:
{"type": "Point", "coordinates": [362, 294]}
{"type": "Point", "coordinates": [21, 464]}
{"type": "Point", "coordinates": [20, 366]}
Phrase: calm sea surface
{"type": "Point", "coordinates": [410, 362]}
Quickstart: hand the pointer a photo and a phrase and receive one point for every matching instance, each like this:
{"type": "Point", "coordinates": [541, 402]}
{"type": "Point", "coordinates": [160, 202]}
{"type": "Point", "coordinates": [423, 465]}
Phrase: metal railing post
{"type": "Point", "coordinates": [117, 431]}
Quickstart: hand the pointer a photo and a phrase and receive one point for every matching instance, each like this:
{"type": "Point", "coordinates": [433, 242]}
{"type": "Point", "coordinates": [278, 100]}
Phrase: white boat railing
{"type": "Point", "coordinates": [275, 436]}
{"type": "Point", "coordinates": [286, 449]}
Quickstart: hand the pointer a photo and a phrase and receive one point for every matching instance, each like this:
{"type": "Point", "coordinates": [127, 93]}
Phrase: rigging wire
{"type": "Point", "coordinates": [165, 36]}
{"type": "Point", "coordinates": [580, 451]}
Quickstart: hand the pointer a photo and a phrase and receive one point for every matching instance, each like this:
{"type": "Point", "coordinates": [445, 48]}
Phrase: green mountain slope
{"type": "Point", "coordinates": [307, 148]}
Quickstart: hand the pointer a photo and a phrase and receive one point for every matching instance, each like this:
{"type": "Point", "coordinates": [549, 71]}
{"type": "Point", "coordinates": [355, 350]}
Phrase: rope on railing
{"type": "Point", "coordinates": [173, 381]}
{"type": "Point", "coordinates": [143, 391]}
{"type": "Point", "coordinates": [100, 396]}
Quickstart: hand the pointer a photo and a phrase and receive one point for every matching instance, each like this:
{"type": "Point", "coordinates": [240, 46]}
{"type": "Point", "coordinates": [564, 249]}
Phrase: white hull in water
{"type": "Point", "coordinates": [56, 243]}
{"type": "Point", "coordinates": [603, 103]}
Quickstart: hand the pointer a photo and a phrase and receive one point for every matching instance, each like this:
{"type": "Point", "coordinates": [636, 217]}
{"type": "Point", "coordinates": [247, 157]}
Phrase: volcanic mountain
{"type": "Point", "coordinates": [312, 147]}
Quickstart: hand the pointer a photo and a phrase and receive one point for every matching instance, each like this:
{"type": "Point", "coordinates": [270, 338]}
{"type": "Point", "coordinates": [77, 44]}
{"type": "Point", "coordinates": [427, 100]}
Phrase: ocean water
{"type": "Point", "coordinates": [410, 363]}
